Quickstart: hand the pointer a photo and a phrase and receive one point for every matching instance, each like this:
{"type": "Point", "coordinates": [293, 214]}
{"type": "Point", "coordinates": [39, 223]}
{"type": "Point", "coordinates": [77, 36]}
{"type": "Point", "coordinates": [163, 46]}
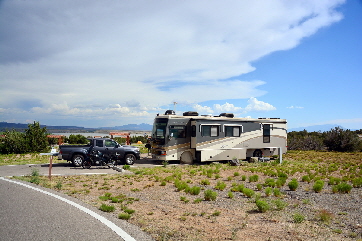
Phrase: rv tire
{"type": "Point", "coordinates": [258, 153]}
{"type": "Point", "coordinates": [186, 158]}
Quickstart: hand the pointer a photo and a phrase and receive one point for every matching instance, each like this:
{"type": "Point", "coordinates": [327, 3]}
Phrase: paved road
{"type": "Point", "coordinates": [29, 212]}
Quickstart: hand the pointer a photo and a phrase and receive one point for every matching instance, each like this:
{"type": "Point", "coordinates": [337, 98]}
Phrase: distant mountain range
{"type": "Point", "coordinates": [136, 127]}
{"type": "Point", "coordinates": [316, 128]}
{"type": "Point", "coordinates": [129, 127]}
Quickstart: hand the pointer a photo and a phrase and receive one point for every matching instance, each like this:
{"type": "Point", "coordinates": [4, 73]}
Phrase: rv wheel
{"type": "Point", "coordinates": [186, 158]}
{"type": "Point", "coordinates": [257, 153]}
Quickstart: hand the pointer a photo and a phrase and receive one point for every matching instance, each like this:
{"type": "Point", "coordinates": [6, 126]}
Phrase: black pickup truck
{"type": "Point", "coordinates": [77, 153]}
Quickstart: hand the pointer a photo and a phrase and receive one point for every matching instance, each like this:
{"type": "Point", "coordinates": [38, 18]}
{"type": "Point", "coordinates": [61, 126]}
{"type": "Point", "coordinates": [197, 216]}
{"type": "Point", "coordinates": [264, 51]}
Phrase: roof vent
{"type": "Point", "coordinates": [190, 113]}
{"type": "Point", "coordinates": [230, 115]}
{"type": "Point", "coordinates": [170, 112]}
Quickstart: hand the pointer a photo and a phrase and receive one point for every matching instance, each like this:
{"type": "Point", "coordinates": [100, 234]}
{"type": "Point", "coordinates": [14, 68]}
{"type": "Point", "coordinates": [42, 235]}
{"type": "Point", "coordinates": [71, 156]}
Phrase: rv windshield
{"type": "Point", "coordinates": [159, 129]}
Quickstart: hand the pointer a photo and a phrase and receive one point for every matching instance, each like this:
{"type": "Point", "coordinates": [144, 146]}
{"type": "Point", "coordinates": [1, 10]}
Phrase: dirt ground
{"type": "Point", "coordinates": [167, 213]}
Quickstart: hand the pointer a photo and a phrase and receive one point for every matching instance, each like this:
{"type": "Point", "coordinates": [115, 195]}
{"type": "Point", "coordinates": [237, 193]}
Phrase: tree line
{"type": "Point", "coordinates": [336, 139]}
{"type": "Point", "coordinates": [34, 140]}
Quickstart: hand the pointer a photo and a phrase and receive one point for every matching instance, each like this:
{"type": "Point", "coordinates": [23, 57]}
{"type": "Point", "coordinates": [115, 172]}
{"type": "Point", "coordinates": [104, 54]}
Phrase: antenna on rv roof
{"type": "Point", "coordinates": [174, 106]}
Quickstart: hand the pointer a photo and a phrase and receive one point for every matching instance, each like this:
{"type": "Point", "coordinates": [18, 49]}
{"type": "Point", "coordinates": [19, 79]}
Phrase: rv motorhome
{"type": "Point", "coordinates": [191, 137]}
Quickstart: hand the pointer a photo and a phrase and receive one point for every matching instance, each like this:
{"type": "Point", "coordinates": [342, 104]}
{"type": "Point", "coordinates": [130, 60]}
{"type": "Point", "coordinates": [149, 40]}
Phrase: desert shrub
{"type": "Point", "coordinates": [280, 204]}
{"type": "Point", "coordinates": [195, 190]}
{"type": "Point", "coordinates": [237, 188]}
{"type": "Point", "coordinates": [220, 186]}
{"type": "Point", "coordinates": [236, 174]}
{"type": "Point", "coordinates": [280, 182]}
{"type": "Point", "coordinates": [306, 178]}
{"type": "Point", "coordinates": [342, 188]}
{"type": "Point", "coordinates": [357, 182]}
{"type": "Point", "coordinates": [126, 167]}
{"type": "Point", "coordinates": [277, 192]}
{"type": "Point", "coordinates": [205, 182]}
{"type": "Point", "coordinates": [318, 186]}
{"type": "Point", "coordinates": [269, 182]}
{"type": "Point", "coordinates": [253, 178]}
{"type": "Point", "coordinates": [248, 192]}
{"type": "Point", "coordinates": [259, 186]}
{"type": "Point", "coordinates": [293, 185]}
{"type": "Point", "coordinates": [210, 195]}
{"type": "Point", "coordinates": [243, 178]}
{"type": "Point", "coordinates": [180, 185]}
{"type": "Point", "coordinates": [325, 216]}
{"type": "Point", "coordinates": [262, 205]}
{"type": "Point", "coordinates": [334, 181]}
{"type": "Point", "coordinates": [298, 218]}
{"type": "Point", "coordinates": [124, 216]}
{"type": "Point", "coordinates": [106, 208]}
{"type": "Point", "coordinates": [268, 191]}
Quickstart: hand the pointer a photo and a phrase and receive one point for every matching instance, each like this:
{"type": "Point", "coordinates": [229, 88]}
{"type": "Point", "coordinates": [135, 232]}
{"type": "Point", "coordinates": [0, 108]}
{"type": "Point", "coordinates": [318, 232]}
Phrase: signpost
{"type": "Point", "coordinates": [52, 153]}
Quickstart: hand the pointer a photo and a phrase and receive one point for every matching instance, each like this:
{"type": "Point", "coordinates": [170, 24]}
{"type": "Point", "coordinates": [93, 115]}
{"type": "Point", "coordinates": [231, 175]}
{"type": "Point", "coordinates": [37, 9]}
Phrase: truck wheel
{"type": "Point", "coordinates": [186, 158]}
{"type": "Point", "coordinates": [77, 160]}
{"type": "Point", "coordinates": [129, 159]}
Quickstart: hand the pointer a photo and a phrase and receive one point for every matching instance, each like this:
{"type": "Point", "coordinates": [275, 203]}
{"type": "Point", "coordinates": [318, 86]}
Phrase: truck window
{"type": "Point", "coordinates": [209, 130]}
{"type": "Point", "coordinates": [109, 143]}
{"type": "Point", "coordinates": [232, 130]}
{"type": "Point", "coordinates": [177, 131]}
{"type": "Point", "coordinates": [266, 133]}
{"type": "Point", "coordinates": [99, 143]}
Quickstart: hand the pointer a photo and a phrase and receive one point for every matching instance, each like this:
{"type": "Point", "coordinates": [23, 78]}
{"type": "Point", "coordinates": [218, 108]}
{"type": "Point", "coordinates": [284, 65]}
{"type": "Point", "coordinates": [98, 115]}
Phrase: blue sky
{"type": "Point", "coordinates": [109, 63]}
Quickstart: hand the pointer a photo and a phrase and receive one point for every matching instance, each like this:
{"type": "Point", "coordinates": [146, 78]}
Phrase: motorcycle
{"type": "Point", "coordinates": [98, 158]}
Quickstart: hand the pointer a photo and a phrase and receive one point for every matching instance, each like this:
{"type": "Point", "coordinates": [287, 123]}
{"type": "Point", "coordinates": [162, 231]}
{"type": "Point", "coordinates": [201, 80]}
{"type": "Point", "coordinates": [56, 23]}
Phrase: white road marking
{"type": "Point", "coordinates": [105, 221]}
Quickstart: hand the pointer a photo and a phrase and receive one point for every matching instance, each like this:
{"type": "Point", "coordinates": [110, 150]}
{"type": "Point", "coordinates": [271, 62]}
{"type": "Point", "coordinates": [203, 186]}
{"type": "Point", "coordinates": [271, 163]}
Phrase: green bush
{"type": "Point", "coordinates": [124, 216]}
{"type": "Point", "coordinates": [106, 208]}
{"type": "Point", "coordinates": [280, 204]}
{"type": "Point", "coordinates": [357, 182]}
{"type": "Point", "coordinates": [195, 190]}
{"type": "Point", "coordinates": [268, 191]}
{"type": "Point", "coordinates": [318, 186]}
{"type": "Point", "coordinates": [262, 205]}
{"type": "Point", "coordinates": [220, 186]}
{"type": "Point", "coordinates": [277, 192]}
{"type": "Point", "coordinates": [210, 195]}
{"type": "Point", "coordinates": [298, 218]}
{"type": "Point", "coordinates": [293, 185]}
{"type": "Point", "coordinates": [33, 140]}
{"type": "Point", "coordinates": [342, 188]}
{"type": "Point", "coordinates": [205, 182]}
{"type": "Point", "coordinates": [248, 192]}
{"type": "Point", "coordinates": [253, 178]}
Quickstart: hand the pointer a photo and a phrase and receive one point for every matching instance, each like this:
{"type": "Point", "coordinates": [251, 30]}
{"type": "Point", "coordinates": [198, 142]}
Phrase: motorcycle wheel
{"type": "Point", "coordinates": [86, 164]}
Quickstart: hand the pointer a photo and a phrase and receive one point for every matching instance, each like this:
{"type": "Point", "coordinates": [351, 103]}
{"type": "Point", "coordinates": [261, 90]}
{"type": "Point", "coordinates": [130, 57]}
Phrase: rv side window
{"type": "Point", "coordinates": [266, 133]}
{"type": "Point", "coordinates": [209, 130]}
{"type": "Point", "coordinates": [177, 131]}
{"type": "Point", "coordinates": [232, 130]}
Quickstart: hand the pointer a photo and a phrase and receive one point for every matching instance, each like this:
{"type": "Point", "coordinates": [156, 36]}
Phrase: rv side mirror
{"type": "Point", "coordinates": [171, 135]}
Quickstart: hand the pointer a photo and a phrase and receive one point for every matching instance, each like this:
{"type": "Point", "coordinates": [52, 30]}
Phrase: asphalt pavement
{"type": "Point", "coordinates": [30, 212]}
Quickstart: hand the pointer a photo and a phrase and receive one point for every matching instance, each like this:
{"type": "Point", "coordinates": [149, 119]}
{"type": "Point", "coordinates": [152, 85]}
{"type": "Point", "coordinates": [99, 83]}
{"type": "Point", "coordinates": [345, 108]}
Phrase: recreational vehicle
{"type": "Point", "coordinates": [192, 138]}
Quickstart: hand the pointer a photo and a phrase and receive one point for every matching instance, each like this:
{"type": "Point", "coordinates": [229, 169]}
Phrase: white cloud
{"type": "Point", "coordinates": [227, 107]}
{"type": "Point", "coordinates": [257, 105]}
{"type": "Point", "coordinates": [203, 109]}
{"type": "Point", "coordinates": [295, 107]}
{"type": "Point", "coordinates": [144, 54]}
